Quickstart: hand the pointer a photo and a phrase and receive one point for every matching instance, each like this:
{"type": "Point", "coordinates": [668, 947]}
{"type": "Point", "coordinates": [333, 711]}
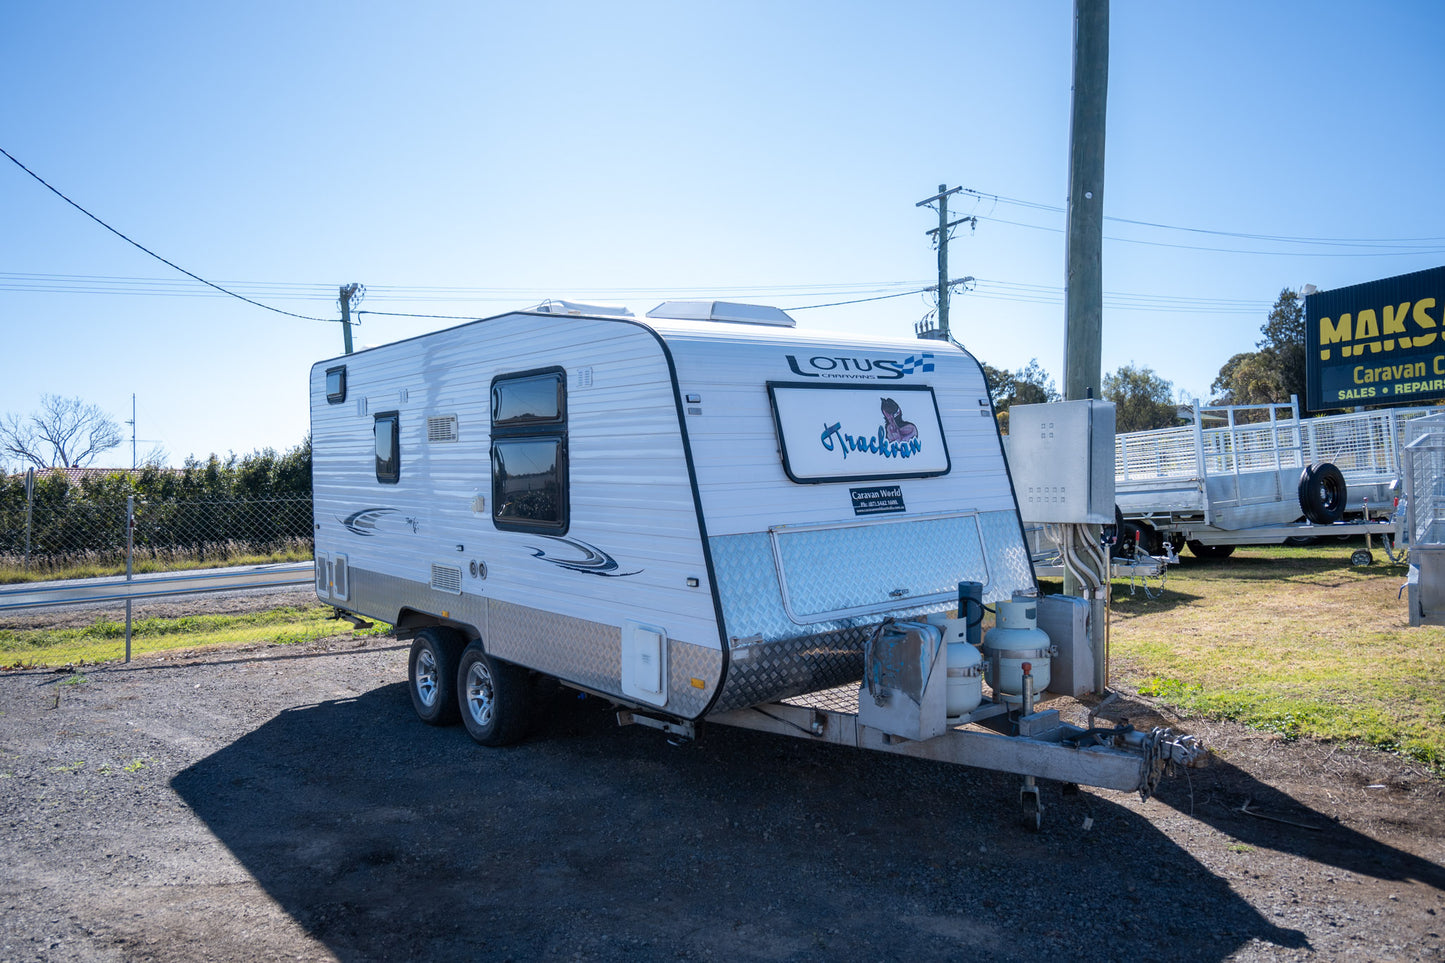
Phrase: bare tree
{"type": "Point", "coordinates": [64, 433]}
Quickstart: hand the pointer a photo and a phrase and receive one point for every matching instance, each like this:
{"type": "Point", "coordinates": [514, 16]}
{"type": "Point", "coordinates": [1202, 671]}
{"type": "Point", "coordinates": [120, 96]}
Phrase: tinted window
{"type": "Point", "coordinates": [531, 400]}
{"type": "Point", "coordinates": [388, 455]}
{"type": "Point", "coordinates": [527, 482]}
{"type": "Point", "coordinates": [336, 385]}
{"type": "Point", "coordinates": [529, 451]}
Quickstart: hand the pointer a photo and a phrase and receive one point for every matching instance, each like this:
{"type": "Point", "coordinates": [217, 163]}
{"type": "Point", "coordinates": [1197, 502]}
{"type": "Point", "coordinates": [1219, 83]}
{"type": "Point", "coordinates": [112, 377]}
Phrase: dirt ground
{"type": "Point", "coordinates": [284, 803]}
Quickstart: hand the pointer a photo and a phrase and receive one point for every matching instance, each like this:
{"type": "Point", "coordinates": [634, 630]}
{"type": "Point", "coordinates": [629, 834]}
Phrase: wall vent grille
{"type": "Point", "coordinates": [445, 578]}
{"type": "Point", "coordinates": [441, 429]}
{"type": "Point", "coordinates": [340, 578]}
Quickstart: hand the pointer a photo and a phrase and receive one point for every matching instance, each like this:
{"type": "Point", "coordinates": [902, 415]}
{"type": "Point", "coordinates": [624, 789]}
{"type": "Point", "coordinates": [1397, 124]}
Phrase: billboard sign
{"type": "Point", "coordinates": [1376, 343]}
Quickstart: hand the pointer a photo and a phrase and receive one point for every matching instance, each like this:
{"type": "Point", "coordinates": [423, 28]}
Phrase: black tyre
{"type": "Point", "coordinates": [1201, 550]}
{"type": "Point", "coordinates": [1361, 557]}
{"type": "Point", "coordinates": [432, 675]}
{"type": "Point", "coordinates": [1131, 539]}
{"type": "Point", "coordinates": [1322, 493]}
{"type": "Point", "coordinates": [495, 697]}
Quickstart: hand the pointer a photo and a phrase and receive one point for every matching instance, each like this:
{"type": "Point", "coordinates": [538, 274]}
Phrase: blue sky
{"type": "Point", "coordinates": [469, 158]}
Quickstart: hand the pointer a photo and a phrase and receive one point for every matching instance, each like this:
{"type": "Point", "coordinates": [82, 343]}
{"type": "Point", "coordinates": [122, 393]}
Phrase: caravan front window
{"type": "Point", "coordinates": [529, 451]}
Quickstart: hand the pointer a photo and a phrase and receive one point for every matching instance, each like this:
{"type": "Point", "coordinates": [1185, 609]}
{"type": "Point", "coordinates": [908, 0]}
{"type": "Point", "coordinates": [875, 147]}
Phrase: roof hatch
{"type": "Point", "coordinates": [559, 306]}
{"type": "Point", "coordinates": [722, 311]}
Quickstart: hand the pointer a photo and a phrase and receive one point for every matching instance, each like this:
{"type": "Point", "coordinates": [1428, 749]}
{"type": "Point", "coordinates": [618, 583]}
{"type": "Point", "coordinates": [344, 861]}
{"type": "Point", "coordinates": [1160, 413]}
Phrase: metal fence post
{"type": "Point", "coordinates": [129, 571]}
{"type": "Point", "coordinates": [29, 511]}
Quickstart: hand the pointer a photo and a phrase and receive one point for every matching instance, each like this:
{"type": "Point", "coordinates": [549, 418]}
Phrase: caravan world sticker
{"type": "Point", "coordinates": [831, 433]}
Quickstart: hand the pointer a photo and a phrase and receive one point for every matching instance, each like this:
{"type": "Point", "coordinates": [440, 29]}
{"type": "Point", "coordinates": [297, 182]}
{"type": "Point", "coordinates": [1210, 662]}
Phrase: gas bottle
{"type": "Point", "coordinates": [1014, 640]}
{"type": "Point", "coordinates": [965, 668]}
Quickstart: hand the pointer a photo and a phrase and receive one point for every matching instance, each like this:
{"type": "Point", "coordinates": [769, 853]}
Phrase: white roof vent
{"type": "Point", "coordinates": [722, 311]}
{"type": "Point", "coordinates": [559, 306]}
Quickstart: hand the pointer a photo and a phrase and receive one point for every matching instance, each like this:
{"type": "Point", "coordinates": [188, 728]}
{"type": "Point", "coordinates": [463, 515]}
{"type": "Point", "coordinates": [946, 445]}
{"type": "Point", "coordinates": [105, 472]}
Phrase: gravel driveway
{"type": "Point", "coordinates": [284, 803]}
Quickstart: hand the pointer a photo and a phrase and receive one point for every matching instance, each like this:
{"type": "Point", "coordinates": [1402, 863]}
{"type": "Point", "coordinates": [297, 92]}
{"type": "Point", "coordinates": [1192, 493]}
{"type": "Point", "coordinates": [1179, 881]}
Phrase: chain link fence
{"type": "Point", "coordinates": [86, 536]}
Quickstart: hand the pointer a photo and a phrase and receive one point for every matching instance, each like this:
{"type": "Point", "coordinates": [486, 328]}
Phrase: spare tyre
{"type": "Point", "coordinates": [1322, 493]}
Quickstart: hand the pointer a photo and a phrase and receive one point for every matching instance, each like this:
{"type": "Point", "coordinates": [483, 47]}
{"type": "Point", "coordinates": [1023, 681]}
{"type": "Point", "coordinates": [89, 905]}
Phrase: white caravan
{"type": "Point", "coordinates": [689, 514]}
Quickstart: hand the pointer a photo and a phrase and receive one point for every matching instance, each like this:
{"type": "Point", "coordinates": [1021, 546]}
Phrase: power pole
{"type": "Point", "coordinates": [941, 235]}
{"type": "Point", "coordinates": [1084, 284]}
{"type": "Point", "coordinates": [132, 431]}
{"type": "Point", "coordinates": [349, 292]}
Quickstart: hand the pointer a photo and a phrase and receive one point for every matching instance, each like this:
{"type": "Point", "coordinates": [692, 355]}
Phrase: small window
{"type": "Point", "coordinates": [388, 452]}
{"type": "Point", "coordinates": [529, 451]}
{"type": "Point", "coordinates": [336, 385]}
{"type": "Point", "coordinates": [536, 398]}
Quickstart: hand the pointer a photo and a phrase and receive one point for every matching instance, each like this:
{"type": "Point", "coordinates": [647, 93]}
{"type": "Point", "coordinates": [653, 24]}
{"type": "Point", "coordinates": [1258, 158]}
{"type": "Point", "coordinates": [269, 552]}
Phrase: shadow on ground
{"type": "Point", "coordinates": [386, 839]}
{"type": "Point", "coordinates": [1240, 805]}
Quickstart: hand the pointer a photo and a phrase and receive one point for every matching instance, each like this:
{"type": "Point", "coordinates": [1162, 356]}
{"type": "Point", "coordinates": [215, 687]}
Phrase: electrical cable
{"type": "Point", "coordinates": [153, 254]}
{"type": "Point", "coordinates": [1284, 238]}
{"type": "Point", "coordinates": [408, 314]}
{"type": "Point", "coordinates": [1222, 250]}
{"type": "Point", "coordinates": [881, 297]}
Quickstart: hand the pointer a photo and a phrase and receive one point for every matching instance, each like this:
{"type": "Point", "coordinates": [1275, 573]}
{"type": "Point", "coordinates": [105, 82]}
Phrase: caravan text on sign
{"type": "Point", "coordinates": [1382, 341]}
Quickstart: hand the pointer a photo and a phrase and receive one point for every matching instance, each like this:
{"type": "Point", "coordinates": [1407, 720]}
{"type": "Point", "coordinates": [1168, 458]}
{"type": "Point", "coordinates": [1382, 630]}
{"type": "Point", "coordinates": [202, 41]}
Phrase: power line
{"type": "Point", "coordinates": [987, 289]}
{"type": "Point", "coordinates": [1220, 250]}
{"type": "Point", "coordinates": [881, 297]}
{"type": "Point", "coordinates": [408, 314]}
{"type": "Point", "coordinates": [147, 250]}
{"type": "Point", "coordinates": [1341, 241]}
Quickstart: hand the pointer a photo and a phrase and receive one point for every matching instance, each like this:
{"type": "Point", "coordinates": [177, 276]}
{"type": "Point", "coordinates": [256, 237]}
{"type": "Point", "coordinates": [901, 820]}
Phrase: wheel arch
{"type": "Point", "coordinates": [410, 621]}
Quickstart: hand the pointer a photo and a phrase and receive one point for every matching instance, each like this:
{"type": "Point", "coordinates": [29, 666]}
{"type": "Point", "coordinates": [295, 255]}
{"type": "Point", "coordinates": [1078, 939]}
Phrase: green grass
{"type": "Point", "coordinates": [104, 640]}
{"type": "Point", "coordinates": [95, 565]}
{"type": "Point", "coordinates": [1289, 640]}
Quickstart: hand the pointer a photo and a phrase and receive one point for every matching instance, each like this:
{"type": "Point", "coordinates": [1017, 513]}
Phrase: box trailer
{"type": "Point", "coordinates": [701, 514]}
{"type": "Point", "coordinates": [1261, 475]}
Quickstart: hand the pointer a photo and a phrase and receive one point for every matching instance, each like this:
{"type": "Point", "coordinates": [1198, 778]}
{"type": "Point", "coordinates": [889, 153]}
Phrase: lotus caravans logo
{"type": "Point", "coordinates": [895, 438]}
{"type": "Point", "coordinates": [847, 368]}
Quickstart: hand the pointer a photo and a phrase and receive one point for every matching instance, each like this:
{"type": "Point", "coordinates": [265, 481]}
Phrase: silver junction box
{"type": "Point", "coordinates": [1061, 457]}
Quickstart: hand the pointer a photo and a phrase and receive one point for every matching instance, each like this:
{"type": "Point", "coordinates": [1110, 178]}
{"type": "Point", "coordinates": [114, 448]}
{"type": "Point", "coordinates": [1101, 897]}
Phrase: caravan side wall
{"type": "Point", "coordinates": [562, 603]}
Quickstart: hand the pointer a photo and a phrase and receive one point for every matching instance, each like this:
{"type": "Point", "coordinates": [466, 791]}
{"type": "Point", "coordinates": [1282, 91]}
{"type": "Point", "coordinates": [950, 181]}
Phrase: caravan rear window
{"type": "Point", "coordinates": [529, 451]}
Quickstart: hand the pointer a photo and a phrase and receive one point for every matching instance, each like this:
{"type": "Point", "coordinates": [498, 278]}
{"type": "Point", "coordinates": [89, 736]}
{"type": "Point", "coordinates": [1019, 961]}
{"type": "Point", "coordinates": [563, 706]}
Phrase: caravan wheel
{"type": "Point", "coordinates": [495, 697]}
{"type": "Point", "coordinates": [432, 674]}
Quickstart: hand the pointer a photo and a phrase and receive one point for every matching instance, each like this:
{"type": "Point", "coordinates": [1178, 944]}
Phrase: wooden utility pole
{"type": "Point", "coordinates": [1084, 284]}
{"type": "Point", "coordinates": [941, 236]}
{"type": "Point", "coordinates": [349, 292]}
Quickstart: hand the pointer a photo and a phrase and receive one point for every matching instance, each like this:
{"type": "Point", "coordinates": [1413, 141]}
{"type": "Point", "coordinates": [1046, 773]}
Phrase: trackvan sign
{"type": "Point", "coordinates": [1376, 343]}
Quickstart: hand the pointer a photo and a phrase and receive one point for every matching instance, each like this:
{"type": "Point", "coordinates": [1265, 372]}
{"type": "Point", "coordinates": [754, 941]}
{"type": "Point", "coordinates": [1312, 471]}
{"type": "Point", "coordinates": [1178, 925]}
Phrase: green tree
{"type": "Point", "coordinates": [1142, 400]}
{"type": "Point", "coordinates": [1030, 385]}
{"type": "Point", "coordinates": [1277, 369]}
